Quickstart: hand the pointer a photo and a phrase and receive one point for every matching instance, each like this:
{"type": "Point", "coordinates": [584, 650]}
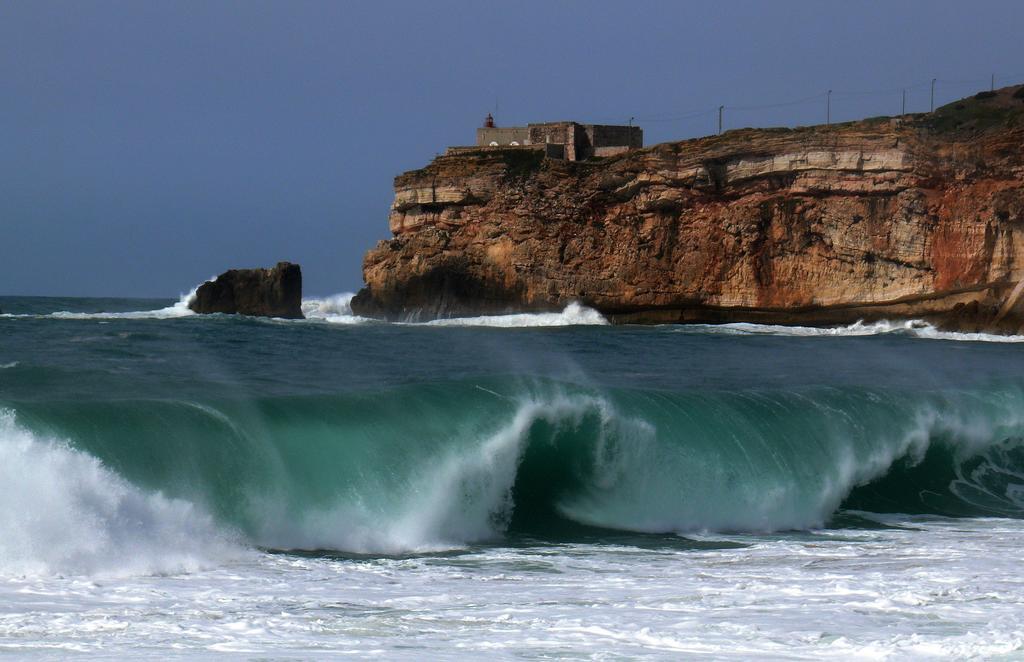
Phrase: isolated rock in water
{"type": "Point", "coordinates": [273, 292]}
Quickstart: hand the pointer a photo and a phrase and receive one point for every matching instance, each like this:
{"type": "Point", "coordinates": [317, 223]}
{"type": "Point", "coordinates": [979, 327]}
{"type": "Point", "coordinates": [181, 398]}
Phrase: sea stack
{"type": "Point", "coordinates": [275, 292]}
{"type": "Point", "coordinates": [913, 217]}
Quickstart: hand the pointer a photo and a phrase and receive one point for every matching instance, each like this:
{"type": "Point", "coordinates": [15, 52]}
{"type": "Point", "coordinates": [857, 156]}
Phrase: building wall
{"type": "Point", "coordinates": [553, 151]}
{"type": "Point", "coordinates": [555, 133]}
{"type": "Point", "coordinates": [504, 135]}
{"type": "Point", "coordinates": [579, 147]}
{"type": "Point", "coordinates": [570, 134]}
{"type": "Point", "coordinates": [580, 141]}
{"type": "Point", "coordinates": [610, 135]}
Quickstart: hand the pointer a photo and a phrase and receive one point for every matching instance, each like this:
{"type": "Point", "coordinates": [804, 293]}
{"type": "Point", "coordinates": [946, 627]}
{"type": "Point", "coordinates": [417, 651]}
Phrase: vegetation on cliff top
{"type": "Point", "coordinates": [985, 110]}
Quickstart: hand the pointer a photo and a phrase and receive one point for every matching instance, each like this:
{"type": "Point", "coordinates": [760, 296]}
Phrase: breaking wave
{"type": "Point", "coordinates": [573, 315]}
{"type": "Point", "coordinates": [911, 328]}
{"type": "Point", "coordinates": [336, 309]}
{"type": "Point", "coordinates": [62, 511]}
{"type": "Point", "coordinates": [177, 309]}
{"type": "Point", "coordinates": [436, 466]}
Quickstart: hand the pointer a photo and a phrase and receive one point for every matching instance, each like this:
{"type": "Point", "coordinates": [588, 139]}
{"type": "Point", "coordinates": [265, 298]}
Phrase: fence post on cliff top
{"type": "Point", "coordinates": [720, 109]}
{"type": "Point", "coordinates": [828, 108]}
{"type": "Point", "coordinates": [903, 108]}
{"type": "Point", "coordinates": [931, 106]}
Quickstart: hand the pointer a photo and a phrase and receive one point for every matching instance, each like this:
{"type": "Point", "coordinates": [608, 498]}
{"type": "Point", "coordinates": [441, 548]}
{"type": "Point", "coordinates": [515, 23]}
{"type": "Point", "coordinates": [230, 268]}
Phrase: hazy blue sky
{"type": "Point", "coordinates": [147, 145]}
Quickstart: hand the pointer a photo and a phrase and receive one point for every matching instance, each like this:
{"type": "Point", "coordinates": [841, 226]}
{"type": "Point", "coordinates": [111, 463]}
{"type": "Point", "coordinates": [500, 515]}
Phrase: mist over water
{"type": "Point", "coordinates": [146, 446]}
{"type": "Point", "coordinates": [63, 512]}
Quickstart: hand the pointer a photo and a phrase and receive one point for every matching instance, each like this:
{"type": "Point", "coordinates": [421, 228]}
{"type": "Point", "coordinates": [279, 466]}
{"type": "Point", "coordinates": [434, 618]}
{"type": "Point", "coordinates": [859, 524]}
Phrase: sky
{"type": "Point", "coordinates": [148, 145]}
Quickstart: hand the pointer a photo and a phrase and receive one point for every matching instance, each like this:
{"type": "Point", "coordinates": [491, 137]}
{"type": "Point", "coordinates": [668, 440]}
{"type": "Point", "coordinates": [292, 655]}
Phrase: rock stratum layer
{"type": "Point", "coordinates": [921, 217]}
{"type": "Point", "coordinates": [273, 292]}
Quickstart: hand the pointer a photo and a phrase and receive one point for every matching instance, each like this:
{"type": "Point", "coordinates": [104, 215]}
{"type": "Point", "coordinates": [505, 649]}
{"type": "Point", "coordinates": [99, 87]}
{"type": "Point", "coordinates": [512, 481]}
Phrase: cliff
{"type": "Point", "coordinates": [919, 217]}
{"type": "Point", "coordinates": [273, 292]}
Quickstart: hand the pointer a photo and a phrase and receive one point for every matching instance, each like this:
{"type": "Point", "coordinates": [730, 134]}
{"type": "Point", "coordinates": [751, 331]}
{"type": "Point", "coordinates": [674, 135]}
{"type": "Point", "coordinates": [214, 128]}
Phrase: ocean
{"type": "Point", "coordinates": [517, 487]}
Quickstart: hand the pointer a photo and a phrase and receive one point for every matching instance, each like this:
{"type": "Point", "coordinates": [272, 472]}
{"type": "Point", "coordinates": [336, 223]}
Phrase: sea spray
{"type": "Point", "coordinates": [462, 495]}
{"type": "Point", "coordinates": [771, 461]}
{"type": "Point", "coordinates": [335, 309]}
{"type": "Point", "coordinates": [63, 512]}
{"type": "Point", "coordinates": [908, 328]}
{"type": "Point", "coordinates": [573, 314]}
{"type": "Point", "coordinates": [178, 309]}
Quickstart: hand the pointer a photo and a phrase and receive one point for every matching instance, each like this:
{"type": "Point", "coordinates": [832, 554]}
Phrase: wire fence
{"type": "Point", "coordinates": [940, 90]}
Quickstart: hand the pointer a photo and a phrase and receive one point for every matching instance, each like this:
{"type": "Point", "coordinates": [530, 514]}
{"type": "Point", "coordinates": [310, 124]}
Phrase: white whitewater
{"type": "Point", "coordinates": [460, 498]}
{"type": "Point", "coordinates": [178, 309]}
{"type": "Point", "coordinates": [912, 328]}
{"type": "Point", "coordinates": [928, 589]}
{"type": "Point", "coordinates": [573, 315]}
{"type": "Point", "coordinates": [62, 512]}
{"type": "Point", "coordinates": [337, 309]}
{"type": "Point", "coordinates": [334, 309]}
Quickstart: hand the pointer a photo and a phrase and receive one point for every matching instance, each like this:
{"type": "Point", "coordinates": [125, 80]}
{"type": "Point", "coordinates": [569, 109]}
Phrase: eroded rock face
{"type": "Point", "coordinates": [273, 292]}
{"type": "Point", "coordinates": [823, 225]}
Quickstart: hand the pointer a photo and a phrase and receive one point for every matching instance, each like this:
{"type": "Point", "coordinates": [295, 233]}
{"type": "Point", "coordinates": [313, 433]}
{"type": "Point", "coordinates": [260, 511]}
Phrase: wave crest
{"type": "Point", "coordinates": [574, 314]}
{"type": "Point", "coordinates": [178, 309]}
{"type": "Point", "coordinates": [910, 328]}
{"type": "Point", "coordinates": [437, 466]}
{"type": "Point", "coordinates": [64, 512]}
{"type": "Point", "coordinates": [335, 309]}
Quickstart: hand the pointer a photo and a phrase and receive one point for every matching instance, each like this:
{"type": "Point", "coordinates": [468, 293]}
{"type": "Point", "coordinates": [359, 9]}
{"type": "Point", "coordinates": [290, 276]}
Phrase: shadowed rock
{"type": "Point", "coordinates": [273, 292]}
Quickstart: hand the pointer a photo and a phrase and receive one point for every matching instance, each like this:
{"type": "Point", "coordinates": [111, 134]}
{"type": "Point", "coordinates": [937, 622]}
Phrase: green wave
{"type": "Point", "coordinates": [436, 465]}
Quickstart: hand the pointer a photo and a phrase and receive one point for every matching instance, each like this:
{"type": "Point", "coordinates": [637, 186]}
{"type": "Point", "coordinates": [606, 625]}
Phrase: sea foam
{"type": "Point", "coordinates": [911, 328]}
{"type": "Point", "coordinates": [335, 309]}
{"type": "Point", "coordinates": [573, 315]}
{"type": "Point", "coordinates": [63, 512]}
{"type": "Point", "coordinates": [178, 309]}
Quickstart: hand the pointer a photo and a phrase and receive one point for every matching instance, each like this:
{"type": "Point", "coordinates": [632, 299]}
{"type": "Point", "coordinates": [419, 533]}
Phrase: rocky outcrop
{"type": "Point", "coordinates": [273, 292]}
{"type": "Point", "coordinates": [886, 218]}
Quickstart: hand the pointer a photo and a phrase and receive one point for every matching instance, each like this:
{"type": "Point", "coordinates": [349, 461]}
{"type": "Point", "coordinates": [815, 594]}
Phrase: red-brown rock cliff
{"type": "Point", "coordinates": [920, 218]}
